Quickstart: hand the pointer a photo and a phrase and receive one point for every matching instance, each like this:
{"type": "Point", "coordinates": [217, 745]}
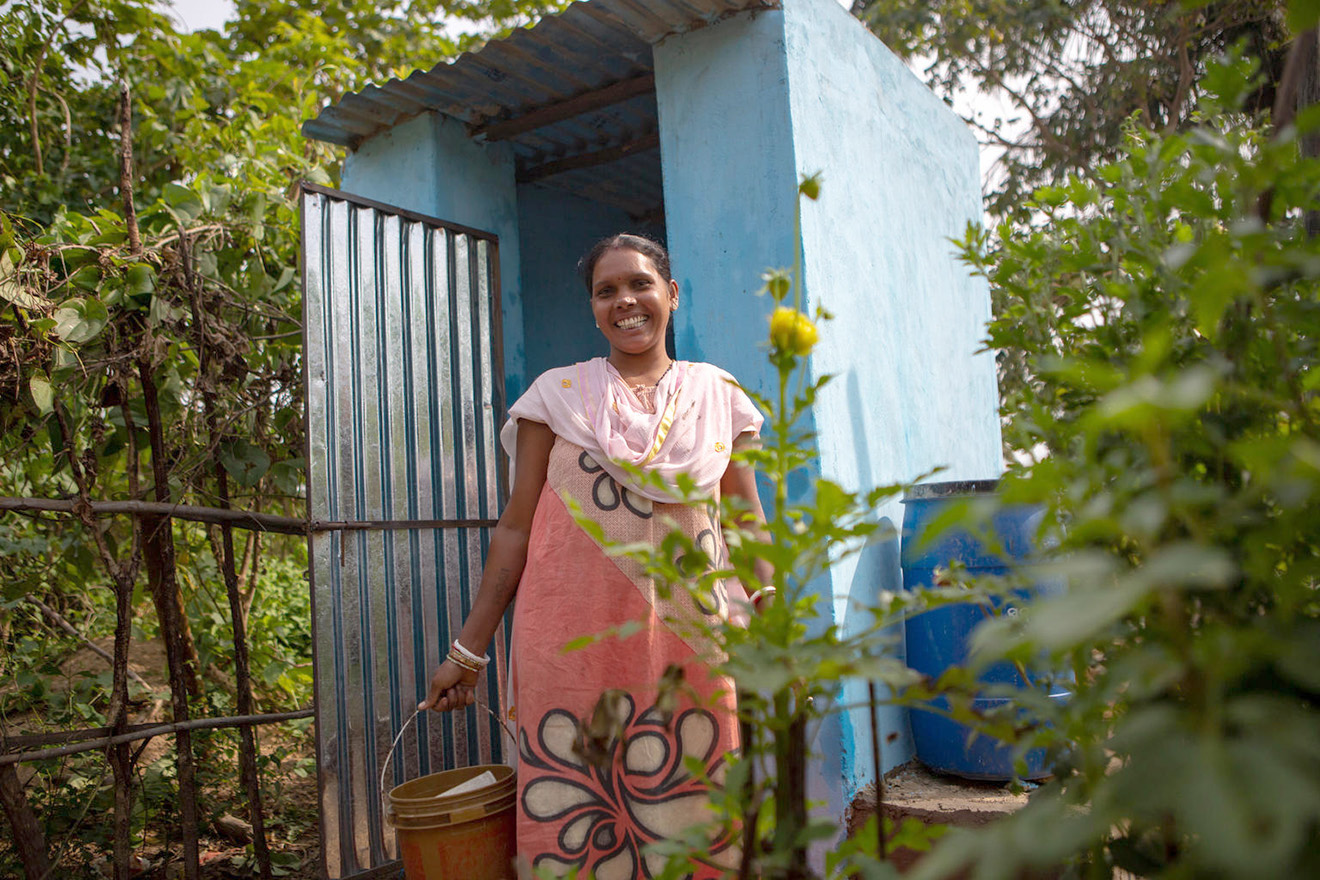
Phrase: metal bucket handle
{"type": "Point", "coordinates": [386, 766]}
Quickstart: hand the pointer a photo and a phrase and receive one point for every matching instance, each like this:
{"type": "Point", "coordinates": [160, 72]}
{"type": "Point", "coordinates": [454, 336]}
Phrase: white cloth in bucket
{"type": "Point", "coordinates": [476, 782]}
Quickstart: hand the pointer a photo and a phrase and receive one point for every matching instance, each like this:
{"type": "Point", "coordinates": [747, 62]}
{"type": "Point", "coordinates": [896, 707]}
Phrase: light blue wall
{"type": "Point", "coordinates": [901, 178]}
{"type": "Point", "coordinates": [730, 179]}
{"type": "Point", "coordinates": [429, 165]}
{"type": "Point", "coordinates": [745, 106]}
{"type": "Point", "coordinates": [726, 146]}
{"type": "Point", "coordinates": [557, 229]}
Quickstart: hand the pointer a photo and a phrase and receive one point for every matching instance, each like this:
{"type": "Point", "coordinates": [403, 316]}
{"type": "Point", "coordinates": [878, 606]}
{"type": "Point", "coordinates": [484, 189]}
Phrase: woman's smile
{"type": "Point", "coordinates": [631, 302]}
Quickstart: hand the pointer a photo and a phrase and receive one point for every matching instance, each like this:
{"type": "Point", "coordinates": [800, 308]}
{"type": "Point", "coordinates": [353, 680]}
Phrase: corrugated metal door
{"type": "Point", "coordinates": [404, 393]}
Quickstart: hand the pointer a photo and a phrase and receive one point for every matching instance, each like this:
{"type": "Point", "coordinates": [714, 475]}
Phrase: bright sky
{"type": "Point", "coordinates": [196, 15]}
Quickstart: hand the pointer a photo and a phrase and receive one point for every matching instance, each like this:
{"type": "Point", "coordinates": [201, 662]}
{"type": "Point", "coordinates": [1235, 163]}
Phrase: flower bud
{"type": "Point", "coordinates": [777, 284]}
{"type": "Point", "coordinates": [810, 186]}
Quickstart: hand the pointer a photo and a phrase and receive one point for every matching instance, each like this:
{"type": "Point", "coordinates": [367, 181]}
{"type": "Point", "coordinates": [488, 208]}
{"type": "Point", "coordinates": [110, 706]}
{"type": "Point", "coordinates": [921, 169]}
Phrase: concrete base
{"type": "Point", "coordinates": [913, 792]}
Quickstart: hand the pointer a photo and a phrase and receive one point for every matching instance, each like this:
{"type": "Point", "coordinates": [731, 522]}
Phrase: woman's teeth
{"type": "Point", "coordinates": [630, 323]}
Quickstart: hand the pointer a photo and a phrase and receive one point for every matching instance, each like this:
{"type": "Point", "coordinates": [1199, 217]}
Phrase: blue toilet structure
{"type": "Point", "coordinates": [439, 281]}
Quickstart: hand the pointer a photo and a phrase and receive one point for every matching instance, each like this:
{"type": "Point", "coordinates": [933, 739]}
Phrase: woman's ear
{"type": "Point", "coordinates": [673, 295]}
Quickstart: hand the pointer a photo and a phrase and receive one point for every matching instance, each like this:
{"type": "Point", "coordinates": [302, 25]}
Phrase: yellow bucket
{"type": "Point", "coordinates": [469, 836]}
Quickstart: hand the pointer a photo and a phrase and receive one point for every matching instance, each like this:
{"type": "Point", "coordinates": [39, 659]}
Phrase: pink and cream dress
{"type": "Point", "coordinates": [598, 816]}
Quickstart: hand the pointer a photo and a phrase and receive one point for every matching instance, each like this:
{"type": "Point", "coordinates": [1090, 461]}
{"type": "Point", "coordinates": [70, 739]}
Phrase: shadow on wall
{"type": "Point", "coordinates": [878, 572]}
{"type": "Point", "coordinates": [861, 451]}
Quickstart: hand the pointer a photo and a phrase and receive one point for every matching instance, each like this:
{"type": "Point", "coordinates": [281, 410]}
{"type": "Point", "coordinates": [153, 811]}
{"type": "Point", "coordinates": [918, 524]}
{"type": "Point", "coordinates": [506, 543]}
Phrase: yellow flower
{"type": "Point", "coordinates": [792, 331]}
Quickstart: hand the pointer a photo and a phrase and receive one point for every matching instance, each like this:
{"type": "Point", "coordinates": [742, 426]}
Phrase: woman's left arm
{"type": "Point", "coordinates": [739, 481]}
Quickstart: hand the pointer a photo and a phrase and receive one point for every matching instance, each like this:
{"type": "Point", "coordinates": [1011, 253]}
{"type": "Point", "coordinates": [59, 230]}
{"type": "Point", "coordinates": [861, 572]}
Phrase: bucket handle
{"type": "Point", "coordinates": [390, 754]}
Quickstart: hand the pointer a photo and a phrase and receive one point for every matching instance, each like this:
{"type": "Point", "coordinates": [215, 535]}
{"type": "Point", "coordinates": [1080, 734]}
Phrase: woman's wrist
{"type": "Point", "coordinates": [465, 658]}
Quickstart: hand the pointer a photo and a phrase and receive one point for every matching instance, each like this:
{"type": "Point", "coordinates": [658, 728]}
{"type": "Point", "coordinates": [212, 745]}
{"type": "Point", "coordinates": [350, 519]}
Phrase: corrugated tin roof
{"type": "Point", "coordinates": [589, 47]}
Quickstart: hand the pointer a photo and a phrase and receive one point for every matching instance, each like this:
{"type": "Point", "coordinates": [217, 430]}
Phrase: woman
{"type": "Point", "coordinates": [567, 433]}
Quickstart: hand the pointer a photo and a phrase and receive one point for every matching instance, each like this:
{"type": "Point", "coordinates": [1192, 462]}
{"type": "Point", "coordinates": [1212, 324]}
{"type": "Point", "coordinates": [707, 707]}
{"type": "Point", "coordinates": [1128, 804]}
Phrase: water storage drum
{"type": "Point", "coordinates": [938, 639]}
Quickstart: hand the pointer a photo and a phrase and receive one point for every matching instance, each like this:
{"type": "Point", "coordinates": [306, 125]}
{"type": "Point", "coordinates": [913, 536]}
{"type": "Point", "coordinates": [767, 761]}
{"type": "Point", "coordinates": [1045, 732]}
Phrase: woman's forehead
{"type": "Point", "coordinates": [623, 260]}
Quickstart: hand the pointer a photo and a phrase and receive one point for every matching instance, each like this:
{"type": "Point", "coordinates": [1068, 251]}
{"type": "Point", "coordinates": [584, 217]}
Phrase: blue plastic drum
{"type": "Point", "coordinates": [938, 639]}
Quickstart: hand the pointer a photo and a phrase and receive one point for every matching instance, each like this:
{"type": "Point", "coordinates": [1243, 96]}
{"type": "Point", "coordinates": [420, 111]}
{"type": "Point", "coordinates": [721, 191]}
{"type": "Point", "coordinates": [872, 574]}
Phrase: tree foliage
{"type": "Point", "coordinates": [218, 155]}
{"type": "Point", "coordinates": [1070, 72]}
{"type": "Point", "coordinates": [1168, 316]}
{"type": "Point", "coordinates": [155, 353]}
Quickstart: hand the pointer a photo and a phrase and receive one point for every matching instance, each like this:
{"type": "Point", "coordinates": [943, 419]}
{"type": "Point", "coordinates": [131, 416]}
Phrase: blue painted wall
{"type": "Point", "coordinates": [726, 145]}
{"type": "Point", "coordinates": [557, 229]}
{"type": "Point", "coordinates": [745, 107]}
{"type": "Point", "coordinates": [429, 165]}
{"type": "Point", "coordinates": [901, 178]}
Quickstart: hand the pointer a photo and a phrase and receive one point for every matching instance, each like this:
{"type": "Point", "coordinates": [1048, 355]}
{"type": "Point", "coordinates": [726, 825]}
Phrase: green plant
{"type": "Point", "coordinates": [1165, 317]}
{"type": "Point", "coordinates": [155, 353]}
{"type": "Point", "coordinates": [1064, 75]}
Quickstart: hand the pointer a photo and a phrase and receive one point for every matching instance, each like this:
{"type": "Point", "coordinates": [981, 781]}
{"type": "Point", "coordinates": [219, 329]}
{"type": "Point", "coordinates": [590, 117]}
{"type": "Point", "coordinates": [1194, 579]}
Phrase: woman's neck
{"type": "Point", "coordinates": [646, 368]}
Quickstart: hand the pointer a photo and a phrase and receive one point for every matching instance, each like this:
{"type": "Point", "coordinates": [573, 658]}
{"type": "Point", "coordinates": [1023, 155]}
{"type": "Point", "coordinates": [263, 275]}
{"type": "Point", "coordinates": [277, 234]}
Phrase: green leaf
{"type": "Point", "coordinates": [810, 186]}
{"type": "Point", "coordinates": [218, 197]}
{"type": "Point", "coordinates": [162, 312]}
{"type": "Point", "coordinates": [245, 462]}
{"type": "Point", "coordinates": [79, 320]}
{"type": "Point", "coordinates": [285, 277]}
{"type": "Point", "coordinates": [182, 203]}
{"type": "Point", "coordinates": [140, 279]}
{"type": "Point", "coordinates": [87, 278]}
{"type": "Point", "coordinates": [12, 290]}
{"type": "Point", "coordinates": [272, 671]}
{"type": "Point", "coordinates": [42, 395]}
{"type": "Point", "coordinates": [1303, 14]}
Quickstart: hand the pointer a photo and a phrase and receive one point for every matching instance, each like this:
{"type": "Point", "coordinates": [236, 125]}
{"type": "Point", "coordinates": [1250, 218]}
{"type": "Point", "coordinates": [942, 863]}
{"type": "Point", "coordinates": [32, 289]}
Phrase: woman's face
{"type": "Point", "coordinates": [630, 301]}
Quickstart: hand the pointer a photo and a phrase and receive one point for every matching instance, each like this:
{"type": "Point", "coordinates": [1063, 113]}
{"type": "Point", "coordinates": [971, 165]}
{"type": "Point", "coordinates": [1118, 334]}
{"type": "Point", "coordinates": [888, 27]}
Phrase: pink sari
{"type": "Point", "coordinates": [599, 815]}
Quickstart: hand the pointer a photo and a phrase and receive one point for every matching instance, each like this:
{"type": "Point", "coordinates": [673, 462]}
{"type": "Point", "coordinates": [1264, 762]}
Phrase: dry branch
{"type": "Point", "coordinates": [261, 522]}
{"type": "Point", "coordinates": [126, 170]}
{"type": "Point", "coordinates": [150, 732]}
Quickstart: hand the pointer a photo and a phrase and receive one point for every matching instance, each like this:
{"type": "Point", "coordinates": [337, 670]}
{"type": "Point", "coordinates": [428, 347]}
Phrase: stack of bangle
{"type": "Point", "coordinates": [763, 593]}
{"type": "Point", "coordinates": [466, 659]}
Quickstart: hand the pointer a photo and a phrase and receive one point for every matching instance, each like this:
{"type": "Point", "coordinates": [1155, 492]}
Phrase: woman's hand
{"type": "Point", "coordinates": [452, 687]}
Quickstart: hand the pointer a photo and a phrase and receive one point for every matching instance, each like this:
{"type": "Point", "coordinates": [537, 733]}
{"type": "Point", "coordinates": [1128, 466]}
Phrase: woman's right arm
{"type": "Point", "coordinates": [452, 687]}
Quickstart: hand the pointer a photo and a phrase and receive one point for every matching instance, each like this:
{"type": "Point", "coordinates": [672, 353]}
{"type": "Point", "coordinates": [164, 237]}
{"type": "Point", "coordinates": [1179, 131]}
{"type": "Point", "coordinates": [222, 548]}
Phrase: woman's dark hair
{"type": "Point", "coordinates": [647, 247]}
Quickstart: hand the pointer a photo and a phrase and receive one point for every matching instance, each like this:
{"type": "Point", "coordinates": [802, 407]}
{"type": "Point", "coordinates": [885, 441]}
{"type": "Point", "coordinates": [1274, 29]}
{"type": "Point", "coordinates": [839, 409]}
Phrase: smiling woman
{"type": "Point", "coordinates": [632, 295]}
{"type": "Point", "coordinates": [603, 749]}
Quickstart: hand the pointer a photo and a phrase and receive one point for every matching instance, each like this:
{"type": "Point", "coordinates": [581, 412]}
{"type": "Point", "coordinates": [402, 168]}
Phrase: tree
{"type": "Point", "coordinates": [1168, 317]}
{"type": "Point", "coordinates": [149, 312]}
{"type": "Point", "coordinates": [1074, 70]}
